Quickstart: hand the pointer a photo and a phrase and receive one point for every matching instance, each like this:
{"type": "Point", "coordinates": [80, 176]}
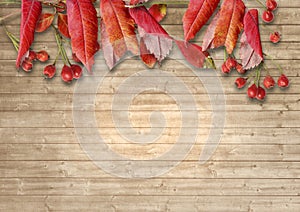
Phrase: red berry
{"type": "Point", "coordinates": [269, 82]}
{"type": "Point", "coordinates": [42, 56]}
{"type": "Point", "coordinates": [268, 16]}
{"type": "Point", "coordinates": [252, 91]}
{"type": "Point", "coordinates": [77, 71]}
{"type": "Point", "coordinates": [66, 74]}
{"type": "Point", "coordinates": [271, 5]}
{"type": "Point", "coordinates": [230, 63]}
{"type": "Point", "coordinates": [32, 55]}
{"type": "Point", "coordinates": [75, 58]}
{"type": "Point", "coordinates": [261, 93]}
{"type": "Point", "coordinates": [49, 71]}
{"type": "Point", "coordinates": [240, 82]}
{"type": "Point", "coordinates": [27, 65]}
{"type": "Point", "coordinates": [239, 68]}
{"type": "Point", "coordinates": [61, 7]}
{"type": "Point", "coordinates": [275, 37]}
{"type": "Point", "coordinates": [224, 69]}
{"type": "Point", "coordinates": [283, 81]}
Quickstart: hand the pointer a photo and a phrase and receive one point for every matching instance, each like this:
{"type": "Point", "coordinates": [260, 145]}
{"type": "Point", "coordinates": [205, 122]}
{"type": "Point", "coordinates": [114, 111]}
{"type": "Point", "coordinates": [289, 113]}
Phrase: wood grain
{"type": "Point", "coordinates": [256, 166]}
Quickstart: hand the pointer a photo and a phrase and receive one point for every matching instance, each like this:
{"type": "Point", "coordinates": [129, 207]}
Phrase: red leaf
{"type": "Point", "coordinates": [197, 14]}
{"type": "Point", "coordinates": [119, 28]}
{"type": "Point", "coordinates": [83, 29]}
{"type": "Point", "coordinates": [62, 24]}
{"type": "Point", "coordinates": [156, 39]}
{"type": "Point", "coordinates": [133, 2]}
{"type": "Point", "coordinates": [44, 22]}
{"type": "Point", "coordinates": [31, 10]}
{"type": "Point", "coordinates": [209, 34]}
{"type": "Point", "coordinates": [192, 53]}
{"type": "Point", "coordinates": [251, 49]}
{"type": "Point", "coordinates": [158, 11]}
{"type": "Point", "coordinates": [148, 58]}
{"type": "Point", "coordinates": [229, 25]}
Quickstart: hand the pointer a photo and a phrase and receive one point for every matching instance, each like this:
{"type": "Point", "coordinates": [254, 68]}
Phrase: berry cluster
{"type": "Point", "coordinates": [231, 64]}
{"type": "Point", "coordinates": [27, 63]}
{"type": "Point", "coordinates": [268, 15]}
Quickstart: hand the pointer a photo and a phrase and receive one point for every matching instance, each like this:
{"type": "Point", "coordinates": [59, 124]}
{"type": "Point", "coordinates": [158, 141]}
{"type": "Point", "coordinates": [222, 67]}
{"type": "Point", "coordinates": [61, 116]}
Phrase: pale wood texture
{"type": "Point", "coordinates": [256, 166]}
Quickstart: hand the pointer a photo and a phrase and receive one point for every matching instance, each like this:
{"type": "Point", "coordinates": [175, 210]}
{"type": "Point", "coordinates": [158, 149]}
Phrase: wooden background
{"type": "Point", "coordinates": [256, 167]}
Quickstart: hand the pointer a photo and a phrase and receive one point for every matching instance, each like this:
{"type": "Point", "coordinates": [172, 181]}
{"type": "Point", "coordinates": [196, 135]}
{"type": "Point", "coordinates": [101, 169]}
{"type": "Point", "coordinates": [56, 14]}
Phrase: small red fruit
{"type": "Point", "coordinates": [271, 5]}
{"type": "Point", "coordinates": [261, 93]}
{"type": "Point", "coordinates": [32, 55]}
{"type": "Point", "coordinates": [49, 71]}
{"type": "Point", "coordinates": [66, 74]}
{"type": "Point", "coordinates": [42, 56]}
{"type": "Point", "coordinates": [269, 82]}
{"type": "Point", "coordinates": [283, 81]}
{"type": "Point", "coordinates": [240, 82]}
{"type": "Point", "coordinates": [230, 63]}
{"type": "Point", "coordinates": [239, 68]}
{"type": "Point", "coordinates": [27, 65]}
{"type": "Point", "coordinates": [275, 37]}
{"type": "Point", "coordinates": [61, 7]}
{"type": "Point", "coordinates": [268, 16]}
{"type": "Point", "coordinates": [252, 91]}
{"type": "Point", "coordinates": [224, 69]}
{"type": "Point", "coordinates": [77, 71]}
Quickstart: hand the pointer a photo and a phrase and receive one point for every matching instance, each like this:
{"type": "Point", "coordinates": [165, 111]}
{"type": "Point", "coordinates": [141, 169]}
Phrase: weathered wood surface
{"type": "Point", "coordinates": [256, 166]}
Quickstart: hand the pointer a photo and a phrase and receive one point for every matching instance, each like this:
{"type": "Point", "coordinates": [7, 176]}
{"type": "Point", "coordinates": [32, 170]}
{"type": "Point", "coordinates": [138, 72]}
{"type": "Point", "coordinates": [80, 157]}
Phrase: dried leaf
{"type": "Point", "coordinates": [209, 34]}
{"type": "Point", "coordinates": [83, 29]}
{"type": "Point", "coordinates": [251, 49]}
{"type": "Point", "coordinates": [229, 25]}
{"type": "Point", "coordinates": [44, 22]}
{"type": "Point", "coordinates": [156, 39]}
{"type": "Point", "coordinates": [62, 25]}
{"type": "Point", "coordinates": [31, 10]}
{"type": "Point", "coordinates": [197, 14]}
{"type": "Point", "coordinates": [119, 28]}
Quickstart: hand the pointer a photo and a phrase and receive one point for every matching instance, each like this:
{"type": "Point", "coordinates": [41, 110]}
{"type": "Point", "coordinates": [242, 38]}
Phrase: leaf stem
{"type": "Point", "coordinates": [61, 49]}
{"type": "Point", "coordinates": [12, 37]}
{"type": "Point", "coordinates": [278, 66]}
{"type": "Point", "coordinates": [259, 2]}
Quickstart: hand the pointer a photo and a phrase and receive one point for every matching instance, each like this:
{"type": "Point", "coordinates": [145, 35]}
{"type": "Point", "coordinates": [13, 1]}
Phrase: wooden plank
{"type": "Point", "coordinates": [137, 187]}
{"type": "Point", "coordinates": [224, 152]}
{"type": "Point", "coordinates": [186, 170]}
{"type": "Point", "coordinates": [241, 136]}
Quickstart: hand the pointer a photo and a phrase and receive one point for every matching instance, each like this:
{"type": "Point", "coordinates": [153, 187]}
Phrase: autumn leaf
{"type": "Point", "coordinates": [197, 14]}
{"type": "Point", "coordinates": [158, 11]}
{"type": "Point", "coordinates": [156, 39]}
{"type": "Point", "coordinates": [119, 28]}
{"type": "Point", "coordinates": [192, 53]}
{"type": "Point", "coordinates": [251, 50]}
{"type": "Point", "coordinates": [133, 2]}
{"type": "Point", "coordinates": [83, 28]}
{"type": "Point", "coordinates": [62, 24]}
{"type": "Point", "coordinates": [31, 10]}
{"type": "Point", "coordinates": [229, 25]}
{"type": "Point", "coordinates": [44, 22]}
{"type": "Point", "coordinates": [209, 34]}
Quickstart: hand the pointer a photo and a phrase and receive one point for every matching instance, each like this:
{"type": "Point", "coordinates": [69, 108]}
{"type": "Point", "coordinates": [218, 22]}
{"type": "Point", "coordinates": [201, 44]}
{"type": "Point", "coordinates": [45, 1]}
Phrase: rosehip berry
{"type": "Point", "coordinates": [66, 74]}
{"type": "Point", "coordinates": [77, 71]}
{"type": "Point", "coordinates": [42, 56]}
{"type": "Point", "coordinates": [240, 82]}
{"type": "Point", "coordinates": [75, 58]}
{"type": "Point", "coordinates": [224, 69]}
{"type": "Point", "coordinates": [27, 65]}
{"type": "Point", "coordinates": [271, 5]}
{"type": "Point", "coordinates": [269, 82]}
{"type": "Point", "coordinates": [230, 63]}
{"type": "Point", "coordinates": [261, 93]}
{"type": "Point", "coordinates": [239, 68]}
{"type": "Point", "coordinates": [275, 37]}
{"type": "Point", "coordinates": [49, 71]}
{"type": "Point", "coordinates": [61, 7]}
{"type": "Point", "coordinates": [268, 16]}
{"type": "Point", "coordinates": [32, 55]}
{"type": "Point", "coordinates": [252, 91]}
{"type": "Point", "coordinates": [283, 81]}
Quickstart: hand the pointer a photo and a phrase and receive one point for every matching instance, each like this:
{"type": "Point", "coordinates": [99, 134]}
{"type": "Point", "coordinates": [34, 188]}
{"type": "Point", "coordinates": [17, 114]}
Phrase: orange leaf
{"type": "Point", "coordinates": [83, 29]}
{"type": "Point", "coordinates": [44, 22]}
{"type": "Point", "coordinates": [229, 25]}
{"type": "Point", "coordinates": [197, 14]}
{"type": "Point", "coordinates": [62, 24]}
{"type": "Point", "coordinates": [119, 27]}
